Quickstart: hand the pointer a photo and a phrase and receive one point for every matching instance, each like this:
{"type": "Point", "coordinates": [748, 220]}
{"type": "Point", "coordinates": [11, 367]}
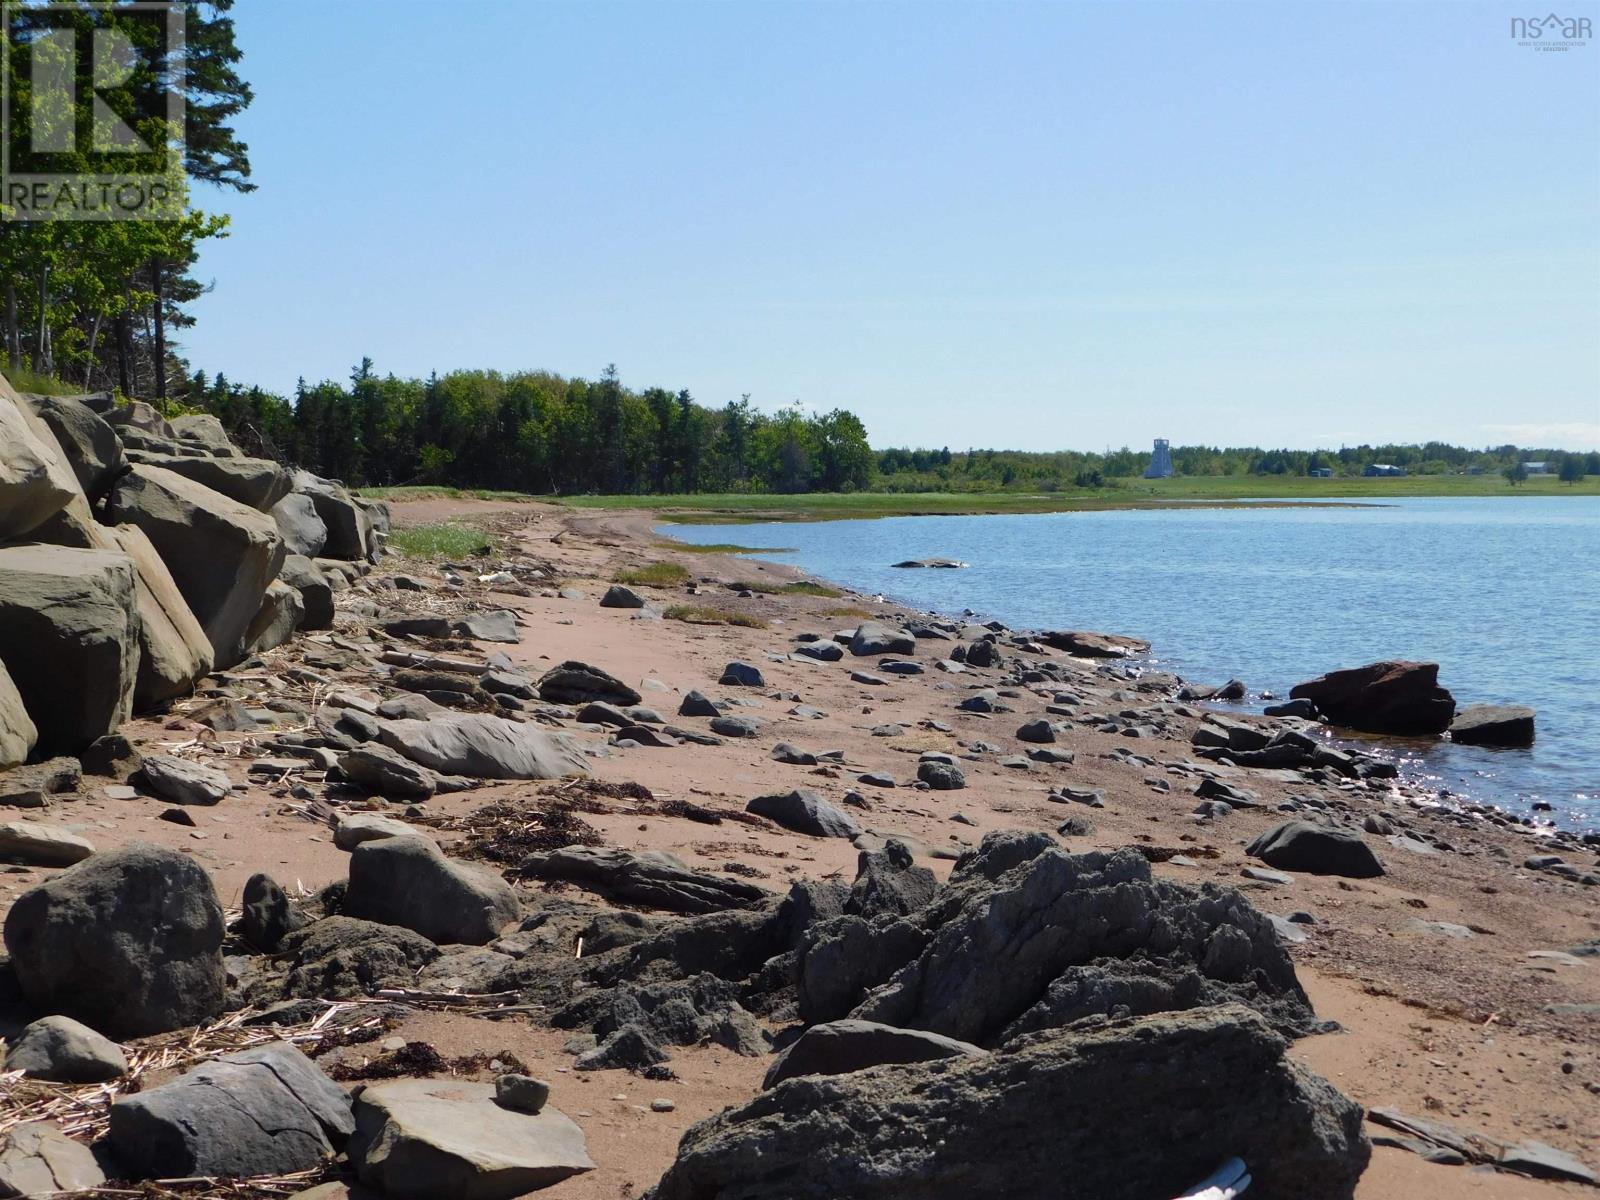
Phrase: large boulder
{"type": "Point", "coordinates": [69, 637]}
{"type": "Point", "coordinates": [837, 1047]}
{"type": "Point", "coordinates": [1402, 698]}
{"type": "Point", "coordinates": [129, 942]}
{"type": "Point", "coordinates": [268, 1110]}
{"type": "Point", "coordinates": [408, 881]}
{"type": "Point", "coordinates": [67, 1051]}
{"type": "Point", "coordinates": [578, 683]}
{"type": "Point", "coordinates": [348, 524]}
{"type": "Point", "coordinates": [221, 553]}
{"type": "Point", "coordinates": [301, 529]}
{"type": "Point", "coordinates": [32, 844]}
{"type": "Point", "coordinates": [35, 480]}
{"type": "Point", "coordinates": [804, 811]}
{"type": "Point", "coordinates": [18, 733]}
{"type": "Point", "coordinates": [1493, 725]}
{"type": "Point", "coordinates": [174, 652]}
{"type": "Point", "coordinates": [1316, 850]}
{"type": "Point", "coordinates": [340, 958]}
{"type": "Point", "coordinates": [1136, 1109]}
{"type": "Point", "coordinates": [205, 431]}
{"type": "Point", "coordinates": [485, 747]}
{"type": "Point", "coordinates": [91, 447]}
{"type": "Point", "coordinates": [258, 483]}
{"type": "Point", "coordinates": [876, 637]}
{"type": "Point", "coordinates": [316, 591]}
{"type": "Point", "coordinates": [422, 1139]}
{"type": "Point", "coordinates": [388, 773]}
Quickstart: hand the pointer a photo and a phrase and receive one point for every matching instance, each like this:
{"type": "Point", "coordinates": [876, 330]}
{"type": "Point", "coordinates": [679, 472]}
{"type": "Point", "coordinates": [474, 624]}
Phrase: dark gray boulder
{"type": "Point", "coordinates": [269, 915]}
{"type": "Point", "coordinates": [873, 638]}
{"type": "Point", "coordinates": [66, 1051]}
{"type": "Point", "coordinates": [1384, 697]}
{"type": "Point", "coordinates": [386, 772]}
{"type": "Point", "coordinates": [1493, 725]}
{"type": "Point", "coordinates": [739, 727]}
{"type": "Point", "coordinates": [408, 881]}
{"type": "Point", "coordinates": [256, 482]}
{"type": "Point", "coordinates": [340, 958]}
{"type": "Point", "coordinates": [838, 1047]}
{"type": "Point", "coordinates": [618, 596]}
{"type": "Point", "coordinates": [698, 704]}
{"type": "Point", "coordinates": [1039, 732]}
{"type": "Point", "coordinates": [888, 882]}
{"type": "Point", "coordinates": [821, 651]}
{"type": "Point", "coordinates": [1067, 1116]}
{"type": "Point", "coordinates": [302, 530]}
{"type": "Point", "coordinates": [1316, 850]}
{"type": "Point", "coordinates": [804, 811]}
{"type": "Point", "coordinates": [578, 683]}
{"type": "Point", "coordinates": [316, 593]}
{"type": "Point", "coordinates": [485, 747]}
{"type": "Point", "coordinates": [742, 674]}
{"type": "Point", "coordinates": [348, 523]}
{"type": "Point", "coordinates": [941, 776]}
{"type": "Point", "coordinates": [268, 1110]}
{"type": "Point", "coordinates": [129, 942]}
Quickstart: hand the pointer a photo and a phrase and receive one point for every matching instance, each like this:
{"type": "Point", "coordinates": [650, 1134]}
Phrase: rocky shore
{"type": "Point", "coordinates": [486, 878]}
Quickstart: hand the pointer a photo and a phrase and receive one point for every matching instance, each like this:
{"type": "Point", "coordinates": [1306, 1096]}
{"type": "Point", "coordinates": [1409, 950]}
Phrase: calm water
{"type": "Point", "coordinates": [1504, 594]}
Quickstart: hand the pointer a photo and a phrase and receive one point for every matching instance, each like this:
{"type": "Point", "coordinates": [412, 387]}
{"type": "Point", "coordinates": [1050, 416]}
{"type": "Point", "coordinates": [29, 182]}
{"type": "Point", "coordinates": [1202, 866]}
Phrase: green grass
{"type": "Point", "coordinates": [701, 614]}
{"type": "Point", "coordinates": [848, 610]}
{"type": "Point", "coordinates": [448, 540]}
{"type": "Point", "coordinates": [803, 588]}
{"type": "Point", "coordinates": [25, 380]}
{"type": "Point", "coordinates": [656, 574]}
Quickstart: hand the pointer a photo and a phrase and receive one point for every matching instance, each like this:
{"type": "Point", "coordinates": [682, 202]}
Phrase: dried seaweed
{"type": "Point", "coordinates": [422, 1059]}
{"type": "Point", "coordinates": [506, 832]}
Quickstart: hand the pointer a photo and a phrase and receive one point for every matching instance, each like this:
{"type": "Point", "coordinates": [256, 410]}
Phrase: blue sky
{"type": "Point", "coordinates": [976, 224]}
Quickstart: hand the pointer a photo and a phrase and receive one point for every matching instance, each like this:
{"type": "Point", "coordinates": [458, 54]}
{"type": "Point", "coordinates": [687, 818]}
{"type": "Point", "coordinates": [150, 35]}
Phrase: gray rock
{"type": "Point", "coordinates": [387, 773]}
{"type": "Point", "coordinates": [986, 701]}
{"type": "Point", "coordinates": [18, 733]}
{"type": "Point", "coordinates": [257, 483]}
{"type": "Point", "coordinates": [697, 704]}
{"type": "Point", "coordinates": [521, 1093]}
{"type": "Point", "coordinates": [739, 727]}
{"type": "Point", "coordinates": [112, 757]}
{"type": "Point", "coordinates": [1037, 731]}
{"type": "Point", "coordinates": [184, 782]}
{"type": "Point", "coordinates": [876, 638]}
{"type": "Point", "coordinates": [838, 1047]}
{"type": "Point", "coordinates": [409, 882]}
{"type": "Point", "coordinates": [1493, 725]}
{"type": "Point", "coordinates": [302, 530]}
{"type": "Point", "coordinates": [222, 554]}
{"type": "Point", "coordinates": [1316, 850]}
{"type": "Point", "coordinates": [348, 523]}
{"type": "Point", "coordinates": [578, 683]}
{"type": "Point", "coordinates": [497, 626]}
{"type": "Point", "coordinates": [793, 756]}
{"type": "Point", "coordinates": [63, 1050]}
{"type": "Point", "coordinates": [268, 1110]}
{"type": "Point", "coordinates": [941, 776]}
{"type": "Point", "coordinates": [868, 678]}
{"type": "Point", "coordinates": [341, 958]}
{"type": "Point", "coordinates": [35, 845]}
{"type": "Point", "coordinates": [804, 811]}
{"type": "Point", "coordinates": [37, 1159]}
{"type": "Point", "coordinates": [972, 1126]}
{"type": "Point", "coordinates": [35, 479]}
{"type": "Point", "coordinates": [821, 651]}
{"type": "Point", "coordinates": [1082, 644]}
{"type": "Point", "coordinates": [485, 747]}
{"type": "Point", "coordinates": [422, 1139]}
{"type": "Point", "coordinates": [129, 942]}
{"type": "Point", "coordinates": [741, 674]}
{"type": "Point", "coordinates": [1384, 697]}
{"type": "Point", "coordinates": [269, 915]}
{"type": "Point", "coordinates": [205, 431]}
{"type": "Point", "coordinates": [89, 445]}
{"type": "Point", "coordinates": [1303, 709]}
{"type": "Point", "coordinates": [618, 596]}
{"type": "Point", "coordinates": [651, 878]}
{"type": "Point", "coordinates": [355, 829]}
{"type": "Point", "coordinates": [316, 593]}
{"type": "Point", "coordinates": [69, 638]}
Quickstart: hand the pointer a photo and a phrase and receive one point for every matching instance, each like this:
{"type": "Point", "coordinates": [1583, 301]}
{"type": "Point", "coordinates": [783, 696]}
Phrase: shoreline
{"type": "Point", "coordinates": [1426, 969]}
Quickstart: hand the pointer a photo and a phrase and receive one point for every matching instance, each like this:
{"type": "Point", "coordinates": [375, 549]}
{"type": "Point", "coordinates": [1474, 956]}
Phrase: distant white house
{"type": "Point", "coordinates": [1538, 468]}
{"type": "Point", "coordinates": [1382, 469]}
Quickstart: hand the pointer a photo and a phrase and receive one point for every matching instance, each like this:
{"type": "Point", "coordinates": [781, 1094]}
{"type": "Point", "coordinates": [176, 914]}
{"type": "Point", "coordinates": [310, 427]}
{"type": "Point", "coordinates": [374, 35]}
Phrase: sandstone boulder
{"type": "Point", "coordinates": [205, 431]}
{"type": "Point", "coordinates": [316, 592]}
{"type": "Point", "coordinates": [35, 480]}
{"type": "Point", "coordinates": [221, 553]}
{"type": "Point", "coordinates": [69, 638]}
{"type": "Point", "coordinates": [421, 1139]}
{"type": "Point", "coordinates": [301, 529]}
{"type": "Point", "coordinates": [61, 1049]}
{"type": "Point", "coordinates": [174, 652]}
{"type": "Point", "coordinates": [257, 483]}
{"type": "Point", "coordinates": [1402, 698]}
{"type": "Point", "coordinates": [485, 747]}
{"type": "Point", "coordinates": [1493, 725]}
{"type": "Point", "coordinates": [32, 844]}
{"type": "Point", "coordinates": [1083, 644]}
{"type": "Point", "coordinates": [88, 442]}
{"type": "Point", "coordinates": [17, 730]}
{"type": "Point", "coordinates": [281, 613]}
{"type": "Point", "coordinates": [349, 527]}
{"type": "Point", "coordinates": [268, 1110]}
{"type": "Point", "coordinates": [37, 1159]}
{"type": "Point", "coordinates": [408, 881]}
{"type": "Point", "coordinates": [129, 942]}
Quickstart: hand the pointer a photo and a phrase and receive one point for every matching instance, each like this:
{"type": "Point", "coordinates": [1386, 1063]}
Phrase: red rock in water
{"type": "Point", "coordinates": [1384, 697]}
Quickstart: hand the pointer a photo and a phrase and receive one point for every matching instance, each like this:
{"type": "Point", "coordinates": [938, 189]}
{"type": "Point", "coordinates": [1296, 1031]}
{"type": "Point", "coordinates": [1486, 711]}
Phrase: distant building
{"type": "Point", "coordinates": [1473, 471]}
{"type": "Point", "coordinates": [1322, 472]}
{"type": "Point", "coordinates": [1160, 462]}
{"type": "Point", "coordinates": [1385, 470]}
{"type": "Point", "coordinates": [1538, 468]}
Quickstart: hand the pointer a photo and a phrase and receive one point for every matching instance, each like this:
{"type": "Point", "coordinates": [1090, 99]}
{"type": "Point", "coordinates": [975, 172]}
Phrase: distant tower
{"type": "Point", "coordinates": [1160, 462]}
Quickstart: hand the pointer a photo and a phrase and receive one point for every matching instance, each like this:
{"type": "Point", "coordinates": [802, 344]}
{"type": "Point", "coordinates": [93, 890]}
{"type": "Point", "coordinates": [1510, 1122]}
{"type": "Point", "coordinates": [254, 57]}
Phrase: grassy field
{"type": "Point", "coordinates": [1127, 493]}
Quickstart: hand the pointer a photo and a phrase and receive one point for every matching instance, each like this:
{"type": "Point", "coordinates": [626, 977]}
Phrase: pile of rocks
{"type": "Point", "coordinates": [137, 555]}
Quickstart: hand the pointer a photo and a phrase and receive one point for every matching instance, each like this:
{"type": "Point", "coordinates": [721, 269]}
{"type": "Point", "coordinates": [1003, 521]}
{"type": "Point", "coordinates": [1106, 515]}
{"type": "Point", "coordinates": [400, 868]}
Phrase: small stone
{"type": "Point", "coordinates": [521, 1093]}
{"type": "Point", "coordinates": [662, 1105]}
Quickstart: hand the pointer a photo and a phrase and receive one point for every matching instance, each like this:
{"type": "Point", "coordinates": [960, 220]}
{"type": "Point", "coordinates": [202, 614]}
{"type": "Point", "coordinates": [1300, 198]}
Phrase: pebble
{"type": "Point", "coordinates": [662, 1104]}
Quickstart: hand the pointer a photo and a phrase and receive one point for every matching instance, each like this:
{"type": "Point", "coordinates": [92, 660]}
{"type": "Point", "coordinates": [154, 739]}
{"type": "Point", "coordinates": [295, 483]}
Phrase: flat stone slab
{"type": "Point", "coordinates": [420, 1139]}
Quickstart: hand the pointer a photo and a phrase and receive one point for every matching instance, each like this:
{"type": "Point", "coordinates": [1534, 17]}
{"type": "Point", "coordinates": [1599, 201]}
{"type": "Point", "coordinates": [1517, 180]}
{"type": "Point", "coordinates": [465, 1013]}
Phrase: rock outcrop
{"type": "Point", "coordinates": [1493, 725]}
{"type": "Point", "coordinates": [1402, 698]}
{"type": "Point", "coordinates": [485, 747]}
{"type": "Point", "coordinates": [35, 481]}
{"type": "Point", "coordinates": [408, 881]}
{"type": "Point", "coordinates": [18, 733]}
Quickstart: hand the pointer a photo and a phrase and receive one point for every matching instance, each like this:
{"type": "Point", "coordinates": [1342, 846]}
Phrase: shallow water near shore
{"type": "Point", "coordinates": [1503, 593]}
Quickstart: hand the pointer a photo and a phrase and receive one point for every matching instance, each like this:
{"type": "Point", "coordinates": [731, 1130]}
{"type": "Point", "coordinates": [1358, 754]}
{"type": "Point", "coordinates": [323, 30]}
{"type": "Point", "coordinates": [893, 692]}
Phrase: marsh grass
{"type": "Point", "coordinates": [702, 614]}
{"type": "Point", "coordinates": [804, 587]}
{"type": "Point", "coordinates": [447, 540]}
{"type": "Point", "coordinates": [656, 574]}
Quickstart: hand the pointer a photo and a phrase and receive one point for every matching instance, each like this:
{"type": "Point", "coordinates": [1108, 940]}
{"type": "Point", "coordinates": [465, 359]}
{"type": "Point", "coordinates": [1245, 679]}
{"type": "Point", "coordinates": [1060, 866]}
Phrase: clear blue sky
{"type": "Point", "coordinates": [975, 224]}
